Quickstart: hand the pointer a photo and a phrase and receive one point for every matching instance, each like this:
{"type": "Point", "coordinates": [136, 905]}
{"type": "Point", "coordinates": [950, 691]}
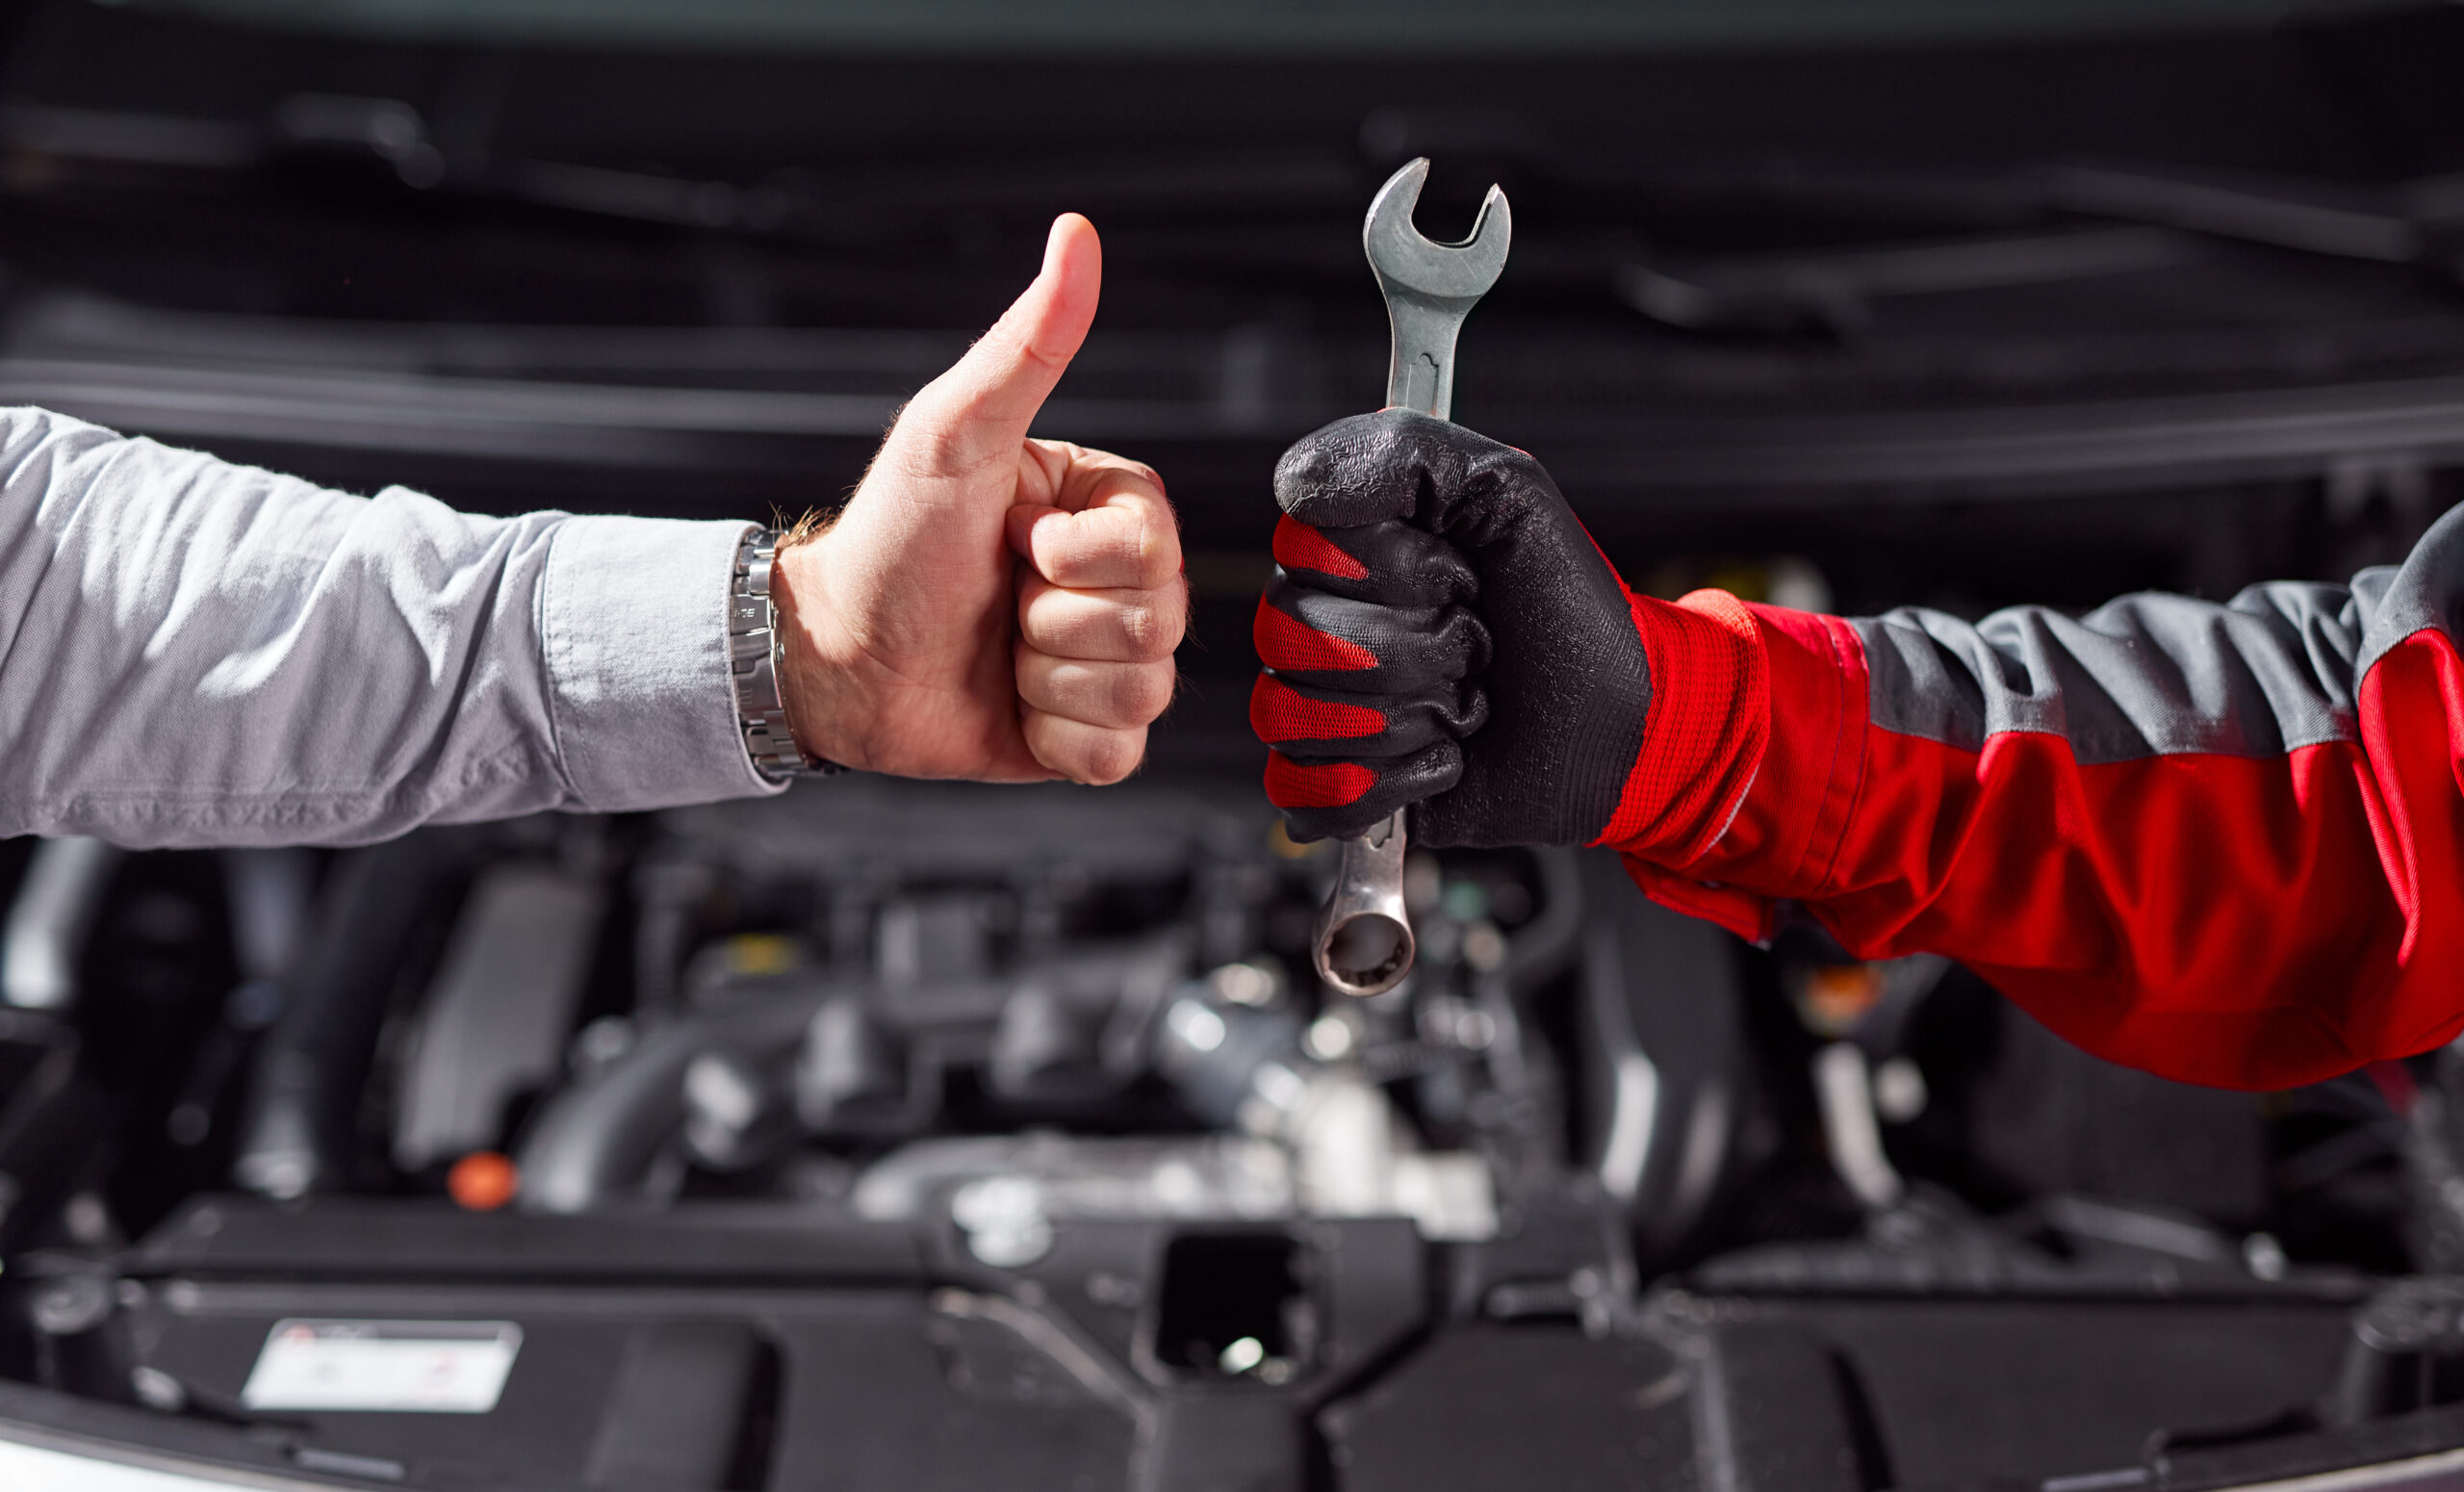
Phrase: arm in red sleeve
{"type": "Point", "coordinates": [2224, 843]}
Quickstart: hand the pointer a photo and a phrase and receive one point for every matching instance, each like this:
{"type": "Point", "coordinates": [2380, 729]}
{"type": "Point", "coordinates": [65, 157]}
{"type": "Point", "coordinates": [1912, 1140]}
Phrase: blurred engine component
{"type": "Point", "coordinates": [907, 1104]}
{"type": "Point", "coordinates": [894, 981]}
{"type": "Point", "coordinates": [495, 1023]}
{"type": "Point", "coordinates": [49, 921]}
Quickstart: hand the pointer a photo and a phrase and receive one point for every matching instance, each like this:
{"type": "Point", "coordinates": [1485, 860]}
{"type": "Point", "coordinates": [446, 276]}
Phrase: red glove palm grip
{"type": "Point", "coordinates": [1279, 714]}
{"type": "Point", "coordinates": [1316, 784]}
{"type": "Point", "coordinates": [1299, 547]}
{"type": "Point", "coordinates": [1296, 647]}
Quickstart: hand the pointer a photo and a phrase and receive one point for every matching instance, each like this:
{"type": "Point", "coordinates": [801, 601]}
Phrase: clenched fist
{"type": "Point", "coordinates": [1441, 633]}
{"type": "Point", "coordinates": [989, 606]}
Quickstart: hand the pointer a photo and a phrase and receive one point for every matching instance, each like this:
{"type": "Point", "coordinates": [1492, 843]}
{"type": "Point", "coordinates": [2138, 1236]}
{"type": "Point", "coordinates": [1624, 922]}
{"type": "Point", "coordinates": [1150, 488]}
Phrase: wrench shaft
{"type": "Point", "coordinates": [1420, 372]}
{"type": "Point", "coordinates": [1364, 942]}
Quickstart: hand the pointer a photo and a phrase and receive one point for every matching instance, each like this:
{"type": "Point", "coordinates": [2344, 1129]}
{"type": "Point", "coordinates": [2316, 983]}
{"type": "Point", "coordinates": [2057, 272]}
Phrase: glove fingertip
{"type": "Point", "coordinates": [1299, 545]}
{"type": "Point", "coordinates": [1347, 474]}
{"type": "Point", "coordinates": [1321, 799]}
{"type": "Point", "coordinates": [1316, 784]}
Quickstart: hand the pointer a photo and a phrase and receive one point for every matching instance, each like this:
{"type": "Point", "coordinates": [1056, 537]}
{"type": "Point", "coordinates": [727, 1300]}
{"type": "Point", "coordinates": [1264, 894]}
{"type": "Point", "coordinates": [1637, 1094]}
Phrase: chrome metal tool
{"type": "Point", "coordinates": [1363, 944]}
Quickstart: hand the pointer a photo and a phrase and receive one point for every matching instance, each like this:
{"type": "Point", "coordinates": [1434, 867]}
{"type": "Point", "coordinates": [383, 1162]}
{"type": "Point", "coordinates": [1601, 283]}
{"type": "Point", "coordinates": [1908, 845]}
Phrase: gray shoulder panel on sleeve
{"type": "Point", "coordinates": [2424, 593]}
{"type": "Point", "coordinates": [2148, 675]}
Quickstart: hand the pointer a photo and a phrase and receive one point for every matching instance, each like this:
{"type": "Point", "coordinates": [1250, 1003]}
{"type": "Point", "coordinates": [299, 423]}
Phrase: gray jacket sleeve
{"type": "Point", "coordinates": [2278, 668]}
{"type": "Point", "coordinates": [193, 652]}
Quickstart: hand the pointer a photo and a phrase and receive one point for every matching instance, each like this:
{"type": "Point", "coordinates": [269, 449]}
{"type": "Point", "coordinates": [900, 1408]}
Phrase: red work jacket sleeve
{"type": "Point", "coordinates": [2219, 842]}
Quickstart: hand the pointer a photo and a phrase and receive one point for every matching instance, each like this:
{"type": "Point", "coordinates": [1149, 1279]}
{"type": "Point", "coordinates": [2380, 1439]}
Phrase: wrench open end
{"type": "Point", "coordinates": [1406, 259]}
{"type": "Point", "coordinates": [1429, 287]}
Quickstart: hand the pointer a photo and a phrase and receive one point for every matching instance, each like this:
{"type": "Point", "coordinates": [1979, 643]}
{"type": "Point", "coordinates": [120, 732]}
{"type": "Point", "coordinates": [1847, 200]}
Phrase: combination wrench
{"type": "Point", "coordinates": [1364, 937]}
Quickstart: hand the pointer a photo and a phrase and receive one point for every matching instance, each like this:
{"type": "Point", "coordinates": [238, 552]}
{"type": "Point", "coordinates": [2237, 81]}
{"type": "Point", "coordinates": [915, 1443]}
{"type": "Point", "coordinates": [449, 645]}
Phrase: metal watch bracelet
{"type": "Point", "coordinates": [756, 655]}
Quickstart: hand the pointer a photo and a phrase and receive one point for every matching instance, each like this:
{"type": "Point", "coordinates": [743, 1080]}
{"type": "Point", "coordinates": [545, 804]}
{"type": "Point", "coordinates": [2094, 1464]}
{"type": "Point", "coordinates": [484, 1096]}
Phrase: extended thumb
{"type": "Point", "coordinates": [981, 408]}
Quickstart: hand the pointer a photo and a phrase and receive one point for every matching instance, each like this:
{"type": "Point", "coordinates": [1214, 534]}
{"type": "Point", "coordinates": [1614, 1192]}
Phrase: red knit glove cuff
{"type": "Point", "coordinates": [1704, 736]}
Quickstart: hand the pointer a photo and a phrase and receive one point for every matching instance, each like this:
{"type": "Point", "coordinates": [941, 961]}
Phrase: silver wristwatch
{"type": "Point", "coordinates": [756, 654]}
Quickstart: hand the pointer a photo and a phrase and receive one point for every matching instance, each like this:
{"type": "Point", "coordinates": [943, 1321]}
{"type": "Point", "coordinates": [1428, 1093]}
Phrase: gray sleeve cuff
{"type": "Point", "coordinates": [634, 613]}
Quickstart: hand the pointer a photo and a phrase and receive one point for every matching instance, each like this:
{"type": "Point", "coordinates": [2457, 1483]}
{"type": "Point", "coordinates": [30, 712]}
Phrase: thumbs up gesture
{"type": "Point", "coordinates": [990, 605]}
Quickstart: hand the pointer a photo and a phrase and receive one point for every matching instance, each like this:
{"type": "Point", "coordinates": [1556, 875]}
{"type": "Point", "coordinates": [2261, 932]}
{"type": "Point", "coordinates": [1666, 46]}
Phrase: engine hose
{"type": "Point", "coordinates": [1549, 944]}
{"type": "Point", "coordinates": [1539, 951]}
{"type": "Point", "coordinates": [297, 1133]}
{"type": "Point", "coordinates": [591, 1145]}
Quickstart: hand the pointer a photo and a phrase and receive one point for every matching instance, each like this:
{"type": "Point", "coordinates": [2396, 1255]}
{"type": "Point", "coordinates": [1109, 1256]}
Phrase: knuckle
{"type": "Point", "coordinates": [1169, 608]}
{"type": "Point", "coordinates": [1155, 552]}
{"type": "Point", "coordinates": [1142, 693]}
{"type": "Point", "coordinates": [1143, 632]}
{"type": "Point", "coordinates": [1112, 755]}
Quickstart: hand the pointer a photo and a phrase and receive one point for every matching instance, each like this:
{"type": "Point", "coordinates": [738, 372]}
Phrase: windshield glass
{"type": "Point", "coordinates": [1239, 25]}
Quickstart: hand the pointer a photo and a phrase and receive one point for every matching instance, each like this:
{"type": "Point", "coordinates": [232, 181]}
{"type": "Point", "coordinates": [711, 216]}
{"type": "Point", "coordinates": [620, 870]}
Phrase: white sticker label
{"type": "Point", "coordinates": [416, 1367]}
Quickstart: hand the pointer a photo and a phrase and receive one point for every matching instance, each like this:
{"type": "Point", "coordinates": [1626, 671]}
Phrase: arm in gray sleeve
{"type": "Point", "coordinates": [193, 652]}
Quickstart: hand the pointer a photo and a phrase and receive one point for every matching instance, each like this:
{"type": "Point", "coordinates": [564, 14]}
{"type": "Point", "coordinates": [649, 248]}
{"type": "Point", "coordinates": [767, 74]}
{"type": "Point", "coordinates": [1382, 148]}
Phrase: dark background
{"type": "Point", "coordinates": [2199, 323]}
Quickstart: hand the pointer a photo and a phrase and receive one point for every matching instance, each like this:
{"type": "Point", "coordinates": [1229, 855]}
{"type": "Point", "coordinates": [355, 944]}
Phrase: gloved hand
{"type": "Point", "coordinates": [1441, 631]}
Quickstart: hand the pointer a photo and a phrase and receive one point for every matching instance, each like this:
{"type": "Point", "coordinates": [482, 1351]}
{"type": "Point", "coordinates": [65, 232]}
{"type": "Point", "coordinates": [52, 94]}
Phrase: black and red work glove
{"type": "Point", "coordinates": [1442, 633]}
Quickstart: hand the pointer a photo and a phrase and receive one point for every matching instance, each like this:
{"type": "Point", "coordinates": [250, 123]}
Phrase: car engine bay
{"type": "Point", "coordinates": [884, 1128]}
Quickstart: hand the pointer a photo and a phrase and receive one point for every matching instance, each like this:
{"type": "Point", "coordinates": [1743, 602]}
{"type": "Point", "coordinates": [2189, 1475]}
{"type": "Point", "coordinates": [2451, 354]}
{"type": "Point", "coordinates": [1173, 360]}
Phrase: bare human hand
{"type": "Point", "coordinates": [990, 605]}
